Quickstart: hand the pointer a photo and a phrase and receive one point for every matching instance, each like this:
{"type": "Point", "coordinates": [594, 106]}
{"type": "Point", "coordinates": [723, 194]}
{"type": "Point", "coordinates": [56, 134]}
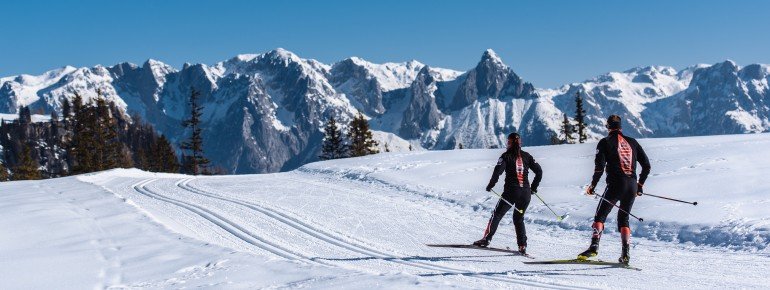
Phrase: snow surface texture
{"type": "Point", "coordinates": [265, 112]}
{"type": "Point", "coordinates": [364, 222]}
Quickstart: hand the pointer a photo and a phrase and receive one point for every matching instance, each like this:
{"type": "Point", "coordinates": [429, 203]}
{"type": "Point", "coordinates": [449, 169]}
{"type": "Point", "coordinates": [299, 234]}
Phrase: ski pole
{"type": "Point", "coordinates": [620, 209]}
{"type": "Point", "coordinates": [674, 199]}
{"type": "Point", "coordinates": [558, 217]}
{"type": "Point", "coordinates": [508, 202]}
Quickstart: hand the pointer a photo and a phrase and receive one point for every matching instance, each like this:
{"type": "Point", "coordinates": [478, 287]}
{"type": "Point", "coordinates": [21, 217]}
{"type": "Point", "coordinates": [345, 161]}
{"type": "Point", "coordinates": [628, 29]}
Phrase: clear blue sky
{"type": "Point", "coordinates": [548, 43]}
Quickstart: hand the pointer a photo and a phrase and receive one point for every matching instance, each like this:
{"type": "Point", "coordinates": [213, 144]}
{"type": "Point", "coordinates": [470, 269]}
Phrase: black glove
{"type": "Point", "coordinates": [489, 187]}
{"type": "Point", "coordinates": [534, 189]}
{"type": "Point", "coordinates": [639, 189]}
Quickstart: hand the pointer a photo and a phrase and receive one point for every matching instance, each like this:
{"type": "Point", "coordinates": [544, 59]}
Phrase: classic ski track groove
{"type": "Point", "coordinates": [357, 248]}
{"type": "Point", "coordinates": [227, 225]}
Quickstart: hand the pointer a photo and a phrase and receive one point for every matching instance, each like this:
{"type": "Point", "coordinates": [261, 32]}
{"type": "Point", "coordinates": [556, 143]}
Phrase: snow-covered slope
{"type": "Point", "coordinates": [364, 222]}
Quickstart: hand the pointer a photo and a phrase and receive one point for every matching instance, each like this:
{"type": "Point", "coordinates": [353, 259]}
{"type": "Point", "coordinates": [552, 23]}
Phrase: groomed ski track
{"type": "Point", "coordinates": [365, 222]}
{"type": "Point", "coordinates": [323, 236]}
{"type": "Point", "coordinates": [274, 226]}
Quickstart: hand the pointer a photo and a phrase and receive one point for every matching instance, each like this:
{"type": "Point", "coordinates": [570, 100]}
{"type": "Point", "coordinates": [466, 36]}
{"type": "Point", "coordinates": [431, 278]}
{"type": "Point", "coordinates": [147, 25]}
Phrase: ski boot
{"type": "Point", "coordinates": [592, 251]}
{"type": "Point", "coordinates": [523, 250]}
{"type": "Point", "coordinates": [481, 243]}
{"type": "Point", "coordinates": [624, 257]}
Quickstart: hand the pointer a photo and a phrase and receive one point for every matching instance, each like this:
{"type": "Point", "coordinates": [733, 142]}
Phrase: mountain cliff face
{"type": "Point", "coordinates": [721, 99]}
{"type": "Point", "coordinates": [265, 112]}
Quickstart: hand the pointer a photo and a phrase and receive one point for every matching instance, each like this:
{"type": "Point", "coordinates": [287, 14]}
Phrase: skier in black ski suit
{"type": "Point", "coordinates": [516, 165]}
{"type": "Point", "coordinates": [618, 155]}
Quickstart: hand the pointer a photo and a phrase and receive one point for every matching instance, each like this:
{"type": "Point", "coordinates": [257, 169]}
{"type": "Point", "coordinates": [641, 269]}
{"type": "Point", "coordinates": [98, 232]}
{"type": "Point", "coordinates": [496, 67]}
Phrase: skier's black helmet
{"type": "Point", "coordinates": [514, 136]}
{"type": "Point", "coordinates": [613, 122]}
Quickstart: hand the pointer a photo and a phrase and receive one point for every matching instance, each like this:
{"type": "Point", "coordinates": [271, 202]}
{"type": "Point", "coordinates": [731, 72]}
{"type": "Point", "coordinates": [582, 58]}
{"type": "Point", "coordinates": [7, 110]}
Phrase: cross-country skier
{"type": "Point", "coordinates": [516, 165]}
{"type": "Point", "coordinates": [618, 155]}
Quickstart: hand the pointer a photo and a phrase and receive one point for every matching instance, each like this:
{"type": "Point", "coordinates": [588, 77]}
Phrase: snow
{"type": "Point", "coordinates": [395, 143]}
{"type": "Point", "coordinates": [160, 70]}
{"type": "Point", "coordinates": [492, 55]}
{"type": "Point", "coordinates": [748, 121]}
{"type": "Point", "coordinates": [35, 117]}
{"type": "Point", "coordinates": [393, 76]}
{"type": "Point", "coordinates": [363, 222]}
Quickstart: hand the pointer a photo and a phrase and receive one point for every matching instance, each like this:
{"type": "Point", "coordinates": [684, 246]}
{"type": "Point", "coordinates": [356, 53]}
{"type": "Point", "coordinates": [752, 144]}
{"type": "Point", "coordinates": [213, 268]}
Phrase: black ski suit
{"type": "Point", "coordinates": [517, 191]}
{"type": "Point", "coordinates": [621, 176]}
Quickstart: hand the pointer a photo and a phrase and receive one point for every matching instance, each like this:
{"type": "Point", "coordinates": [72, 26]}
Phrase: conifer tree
{"type": "Point", "coordinates": [333, 146]}
{"type": "Point", "coordinates": [580, 118]}
{"type": "Point", "coordinates": [567, 130]}
{"type": "Point", "coordinates": [81, 145]}
{"type": "Point", "coordinates": [555, 139]}
{"type": "Point", "coordinates": [196, 162]}
{"type": "Point", "coordinates": [3, 173]}
{"type": "Point", "coordinates": [108, 149]}
{"type": "Point", "coordinates": [66, 111]}
{"type": "Point", "coordinates": [26, 167]}
{"type": "Point", "coordinates": [361, 138]}
{"type": "Point", "coordinates": [165, 156]}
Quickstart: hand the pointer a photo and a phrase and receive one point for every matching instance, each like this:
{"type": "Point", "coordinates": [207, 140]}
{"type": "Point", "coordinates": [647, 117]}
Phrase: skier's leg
{"type": "Point", "coordinates": [500, 209]}
{"type": "Point", "coordinates": [602, 210]}
{"type": "Point", "coordinates": [523, 197]}
{"type": "Point", "coordinates": [626, 203]}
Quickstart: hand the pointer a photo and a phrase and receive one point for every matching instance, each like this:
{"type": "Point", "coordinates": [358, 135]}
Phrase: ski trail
{"type": "Point", "coordinates": [358, 248]}
{"type": "Point", "coordinates": [231, 227]}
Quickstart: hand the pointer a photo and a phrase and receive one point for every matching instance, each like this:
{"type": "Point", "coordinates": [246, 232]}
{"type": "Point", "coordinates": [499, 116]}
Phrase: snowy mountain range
{"type": "Point", "coordinates": [265, 112]}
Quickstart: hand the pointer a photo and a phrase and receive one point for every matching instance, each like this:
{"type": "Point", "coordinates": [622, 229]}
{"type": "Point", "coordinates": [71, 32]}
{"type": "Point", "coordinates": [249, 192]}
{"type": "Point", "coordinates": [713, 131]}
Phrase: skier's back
{"type": "Point", "coordinates": [617, 155]}
{"type": "Point", "coordinates": [516, 164]}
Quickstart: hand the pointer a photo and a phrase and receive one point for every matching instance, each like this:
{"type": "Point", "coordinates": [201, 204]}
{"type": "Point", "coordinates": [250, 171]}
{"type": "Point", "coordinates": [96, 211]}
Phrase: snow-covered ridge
{"type": "Point", "coordinates": [276, 101]}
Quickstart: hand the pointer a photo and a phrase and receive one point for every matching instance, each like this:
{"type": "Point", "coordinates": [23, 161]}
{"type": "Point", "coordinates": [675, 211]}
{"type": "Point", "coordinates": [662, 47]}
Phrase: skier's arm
{"type": "Point", "coordinates": [599, 162]}
{"type": "Point", "coordinates": [535, 167]}
{"type": "Point", "coordinates": [499, 169]}
{"type": "Point", "coordinates": [641, 157]}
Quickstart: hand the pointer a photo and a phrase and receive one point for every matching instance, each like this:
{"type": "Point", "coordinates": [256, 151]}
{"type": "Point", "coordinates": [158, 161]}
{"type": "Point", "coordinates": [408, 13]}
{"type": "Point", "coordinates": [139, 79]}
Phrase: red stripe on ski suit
{"type": "Point", "coordinates": [520, 171]}
{"type": "Point", "coordinates": [625, 154]}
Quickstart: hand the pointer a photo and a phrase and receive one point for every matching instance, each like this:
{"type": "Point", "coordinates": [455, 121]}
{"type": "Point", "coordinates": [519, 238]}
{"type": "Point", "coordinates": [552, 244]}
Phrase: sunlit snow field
{"type": "Point", "coordinates": [364, 222]}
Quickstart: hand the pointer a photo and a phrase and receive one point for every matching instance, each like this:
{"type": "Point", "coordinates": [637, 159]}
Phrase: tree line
{"type": "Point", "coordinates": [358, 141]}
{"type": "Point", "coordinates": [94, 136]}
{"type": "Point", "coordinates": [570, 127]}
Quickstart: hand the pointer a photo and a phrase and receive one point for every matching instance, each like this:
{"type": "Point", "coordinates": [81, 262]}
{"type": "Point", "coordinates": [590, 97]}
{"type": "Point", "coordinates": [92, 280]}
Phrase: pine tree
{"type": "Point", "coordinates": [81, 145]}
{"type": "Point", "coordinates": [361, 138]}
{"type": "Point", "coordinates": [108, 149]}
{"type": "Point", "coordinates": [196, 162]}
{"type": "Point", "coordinates": [3, 173]}
{"type": "Point", "coordinates": [165, 156]}
{"type": "Point", "coordinates": [566, 131]}
{"type": "Point", "coordinates": [333, 146]}
{"type": "Point", "coordinates": [66, 111]}
{"type": "Point", "coordinates": [25, 116]}
{"type": "Point", "coordinates": [555, 139]}
{"type": "Point", "coordinates": [27, 167]}
{"type": "Point", "coordinates": [580, 118]}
